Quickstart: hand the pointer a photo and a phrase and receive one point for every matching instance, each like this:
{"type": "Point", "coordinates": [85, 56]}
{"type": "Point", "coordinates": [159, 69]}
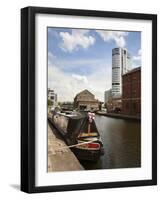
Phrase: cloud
{"type": "Point", "coordinates": [60, 82]}
{"type": "Point", "coordinates": [139, 52]}
{"type": "Point", "coordinates": [51, 57]}
{"type": "Point", "coordinates": [65, 85]}
{"type": "Point", "coordinates": [80, 78]}
{"type": "Point", "coordinates": [68, 85]}
{"type": "Point", "coordinates": [117, 36]}
{"type": "Point", "coordinates": [74, 66]}
{"type": "Point", "coordinates": [136, 60]}
{"type": "Point", "coordinates": [75, 40]}
{"type": "Point", "coordinates": [100, 80]}
{"type": "Point", "coordinates": [138, 56]}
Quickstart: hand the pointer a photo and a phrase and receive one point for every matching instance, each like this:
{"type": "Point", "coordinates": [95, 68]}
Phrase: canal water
{"type": "Point", "coordinates": [122, 144]}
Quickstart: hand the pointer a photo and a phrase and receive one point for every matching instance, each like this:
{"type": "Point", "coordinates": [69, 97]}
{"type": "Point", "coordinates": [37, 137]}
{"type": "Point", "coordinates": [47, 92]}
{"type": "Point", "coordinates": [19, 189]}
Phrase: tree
{"type": "Point", "coordinates": [50, 103]}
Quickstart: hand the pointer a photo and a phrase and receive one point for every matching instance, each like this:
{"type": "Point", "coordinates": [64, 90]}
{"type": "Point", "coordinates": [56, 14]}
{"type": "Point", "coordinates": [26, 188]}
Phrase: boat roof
{"type": "Point", "coordinates": [72, 115]}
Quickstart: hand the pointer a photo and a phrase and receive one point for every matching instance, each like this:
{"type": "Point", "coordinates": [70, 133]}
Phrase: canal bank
{"type": "Point", "coordinates": [119, 116]}
{"type": "Point", "coordinates": [121, 142]}
{"type": "Point", "coordinates": [60, 157]}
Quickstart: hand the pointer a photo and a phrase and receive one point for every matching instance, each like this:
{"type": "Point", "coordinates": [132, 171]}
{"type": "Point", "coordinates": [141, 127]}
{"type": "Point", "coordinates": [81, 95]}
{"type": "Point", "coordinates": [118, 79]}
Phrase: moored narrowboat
{"type": "Point", "coordinates": [80, 132]}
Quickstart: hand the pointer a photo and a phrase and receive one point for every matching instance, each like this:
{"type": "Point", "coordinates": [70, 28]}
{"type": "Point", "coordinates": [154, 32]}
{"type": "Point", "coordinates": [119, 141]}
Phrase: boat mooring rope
{"type": "Point", "coordinates": [75, 145]}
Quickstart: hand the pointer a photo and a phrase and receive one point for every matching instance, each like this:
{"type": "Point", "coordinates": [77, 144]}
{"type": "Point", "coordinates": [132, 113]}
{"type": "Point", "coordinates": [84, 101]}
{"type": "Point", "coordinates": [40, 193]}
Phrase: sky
{"type": "Point", "coordinates": [81, 59]}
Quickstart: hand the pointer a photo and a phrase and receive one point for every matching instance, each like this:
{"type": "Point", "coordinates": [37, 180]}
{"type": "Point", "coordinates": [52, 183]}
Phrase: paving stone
{"type": "Point", "coordinates": [60, 159]}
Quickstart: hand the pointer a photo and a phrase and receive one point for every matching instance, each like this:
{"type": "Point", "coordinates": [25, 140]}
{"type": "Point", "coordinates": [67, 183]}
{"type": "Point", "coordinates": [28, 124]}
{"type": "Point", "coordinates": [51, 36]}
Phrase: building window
{"type": "Point", "coordinates": [134, 93]}
{"type": "Point", "coordinates": [134, 106]}
{"type": "Point", "coordinates": [127, 105]}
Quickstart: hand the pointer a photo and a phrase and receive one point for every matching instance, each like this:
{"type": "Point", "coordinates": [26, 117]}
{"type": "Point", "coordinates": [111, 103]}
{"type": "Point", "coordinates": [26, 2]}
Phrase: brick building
{"type": "Point", "coordinates": [131, 92]}
{"type": "Point", "coordinates": [85, 100]}
{"type": "Point", "coordinates": [114, 104]}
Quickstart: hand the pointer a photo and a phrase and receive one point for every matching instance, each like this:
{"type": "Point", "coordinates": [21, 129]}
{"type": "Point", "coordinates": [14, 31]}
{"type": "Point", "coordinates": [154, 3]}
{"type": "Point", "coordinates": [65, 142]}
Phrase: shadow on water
{"type": "Point", "coordinates": [121, 141]}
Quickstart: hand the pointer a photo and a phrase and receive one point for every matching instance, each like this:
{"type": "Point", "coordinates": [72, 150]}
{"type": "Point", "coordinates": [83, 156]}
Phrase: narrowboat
{"type": "Point", "coordinates": [80, 132]}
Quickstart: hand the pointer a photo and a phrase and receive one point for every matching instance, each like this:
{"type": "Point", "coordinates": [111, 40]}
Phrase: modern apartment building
{"type": "Point", "coordinates": [121, 64]}
{"type": "Point", "coordinates": [107, 94]}
{"type": "Point", "coordinates": [52, 96]}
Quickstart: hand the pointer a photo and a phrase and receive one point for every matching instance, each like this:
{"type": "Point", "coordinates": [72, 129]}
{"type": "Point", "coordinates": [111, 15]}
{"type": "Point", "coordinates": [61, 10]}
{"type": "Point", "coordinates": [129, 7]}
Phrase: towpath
{"type": "Point", "coordinates": [60, 159]}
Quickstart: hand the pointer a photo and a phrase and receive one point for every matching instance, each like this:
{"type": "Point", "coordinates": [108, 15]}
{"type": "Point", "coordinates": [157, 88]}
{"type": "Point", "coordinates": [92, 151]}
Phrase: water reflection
{"type": "Point", "coordinates": [122, 144]}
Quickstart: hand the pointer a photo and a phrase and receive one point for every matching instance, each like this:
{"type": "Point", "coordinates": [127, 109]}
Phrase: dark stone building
{"type": "Point", "coordinates": [131, 92]}
{"type": "Point", "coordinates": [85, 100]}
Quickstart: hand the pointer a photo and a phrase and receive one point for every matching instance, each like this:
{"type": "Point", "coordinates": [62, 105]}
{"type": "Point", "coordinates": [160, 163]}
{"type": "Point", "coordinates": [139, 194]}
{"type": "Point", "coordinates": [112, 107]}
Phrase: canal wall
{"type": "Point", "coordinates": [119, 116]}
{"type": "Point", "coordinates": [60, 157]}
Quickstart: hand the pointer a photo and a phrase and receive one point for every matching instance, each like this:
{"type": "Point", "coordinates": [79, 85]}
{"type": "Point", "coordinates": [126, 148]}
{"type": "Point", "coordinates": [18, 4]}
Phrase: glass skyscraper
{"type": "Point", "coordinates": [121, 64]}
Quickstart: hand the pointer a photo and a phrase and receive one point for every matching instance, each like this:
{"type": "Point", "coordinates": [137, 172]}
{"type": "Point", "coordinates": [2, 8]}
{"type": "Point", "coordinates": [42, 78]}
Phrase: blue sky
{"type": "Point", "coordinates": [81, 59]}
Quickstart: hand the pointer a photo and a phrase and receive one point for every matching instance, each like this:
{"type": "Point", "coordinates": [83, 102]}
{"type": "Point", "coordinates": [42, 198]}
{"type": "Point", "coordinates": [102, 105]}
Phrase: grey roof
{"type": "Point", "coordinates": [85, 91]}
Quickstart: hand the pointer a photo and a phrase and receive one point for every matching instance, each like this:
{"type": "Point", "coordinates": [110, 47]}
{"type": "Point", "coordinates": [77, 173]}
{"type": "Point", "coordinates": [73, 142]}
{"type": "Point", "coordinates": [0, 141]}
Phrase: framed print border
{"type": "Point", "coordinates": [28, 98]}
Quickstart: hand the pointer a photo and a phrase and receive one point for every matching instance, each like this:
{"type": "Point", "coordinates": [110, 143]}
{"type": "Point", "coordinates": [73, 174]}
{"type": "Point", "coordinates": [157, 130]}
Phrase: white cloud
{"type": "Point", "coordinates": [139, 52]}
{"type": "Point", "coordinates": [65, 85]}
{"type": "Point", "coordinates": [136, 60]}
{"type": "Point", "coordinates": [51, 57]}
{"type": "Point", "coordinates": [60, 82]}
{"type": "Point", "coordinates": [78, 38]}
{"type": "Point", "coordinates": [80, 78]}
{"type": "Point", "coordinates": [117, 36]}
{"type": "Point", "coordinates": [138, 56]}
{"type": "Point", "coordinates": [100, 81]}
{"type": "Point", "coordinates": [68, 85]}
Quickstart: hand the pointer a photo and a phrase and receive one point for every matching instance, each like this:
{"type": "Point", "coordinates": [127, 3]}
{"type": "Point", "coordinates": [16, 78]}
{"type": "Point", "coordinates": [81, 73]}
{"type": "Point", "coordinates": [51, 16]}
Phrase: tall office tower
{"type": "Point", "coordinates": [121, 64]}
{"type": "Point", "coordinates": [107, 95]}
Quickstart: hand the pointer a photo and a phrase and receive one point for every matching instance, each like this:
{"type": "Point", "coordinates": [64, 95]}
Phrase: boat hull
{"type": "Point", "coordinates": [88, 155]}
{"type": "Point", "coordinates": [70, 127]}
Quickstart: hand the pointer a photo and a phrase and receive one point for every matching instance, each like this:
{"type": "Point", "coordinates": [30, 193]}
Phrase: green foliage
{"type": "Point", "coordinates": [50, 103]}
